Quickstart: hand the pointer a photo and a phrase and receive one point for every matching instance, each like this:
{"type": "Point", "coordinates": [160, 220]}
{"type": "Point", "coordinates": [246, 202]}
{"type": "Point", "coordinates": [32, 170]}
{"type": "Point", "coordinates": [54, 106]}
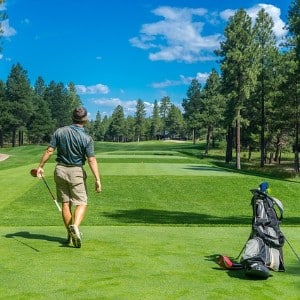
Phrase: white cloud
{"type": "Point", "coordinates": [227, 13]}
{"type": "Point", "coordinates": [129, 106]}
{"type": "Point", "coordinates": [7, 30]}
{"type": "Point", "coordinates": [273, 11]}
{"type": "Point", "coordinates": [25, 21]}
{"type": "Point", "coordinates": [92, 89]}
{"type": "Point", "coordinates": [201, 77]}
{"type": "Point", "coordinates": [1, 56]}
{"type": "Point", "coordinates": [166, 83]}
{"type": "Point", "coordinates": [2, 6]}
{"type": "Point", "coordinates": [178, 36]}
{"type": "Point", "coordinates": [110, 102]}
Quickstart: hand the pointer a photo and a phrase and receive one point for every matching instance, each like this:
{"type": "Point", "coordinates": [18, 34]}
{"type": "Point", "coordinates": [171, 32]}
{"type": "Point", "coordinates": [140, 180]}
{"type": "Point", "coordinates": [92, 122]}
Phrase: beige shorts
{"type": "Point", "coordinates": [71, 184]}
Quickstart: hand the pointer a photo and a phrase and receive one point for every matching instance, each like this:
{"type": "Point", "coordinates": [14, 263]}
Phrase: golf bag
{"type": "Point", "coordinates": [263, 250]}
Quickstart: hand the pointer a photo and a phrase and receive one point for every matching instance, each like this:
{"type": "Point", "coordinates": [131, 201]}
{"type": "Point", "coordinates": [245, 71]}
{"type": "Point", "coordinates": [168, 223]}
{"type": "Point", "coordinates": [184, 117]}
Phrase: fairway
{"type": "Point", "coordinates": [136, 262]}
{"type": "Point", "coordinates": [154, 169]}
{"type": "Point", "coordinates": [153, 233]}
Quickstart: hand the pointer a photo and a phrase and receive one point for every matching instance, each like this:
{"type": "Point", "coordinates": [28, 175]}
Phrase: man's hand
{"type": "Point", "coordinates": [98, 187]}
{"type": "Point", "coordinates": [40, 172]}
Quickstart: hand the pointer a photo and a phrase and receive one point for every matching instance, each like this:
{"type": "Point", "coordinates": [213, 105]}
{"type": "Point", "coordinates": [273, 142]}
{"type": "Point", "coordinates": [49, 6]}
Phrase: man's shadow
{"type": "Point", "coordinates": [35, 236]}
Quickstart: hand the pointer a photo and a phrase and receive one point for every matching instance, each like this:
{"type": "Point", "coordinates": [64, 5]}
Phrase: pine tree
{"type": "Point", "coordinates": [155, 126]}
{"type": "Point", "coordinates": [213, 106]}
{"type": "Point", "coordinates": [192, 106]}
{"type": "Point", "coordinates": [239, 72]}
{"type": "Point", "coordinates": [140, 118]}
{"type": "Point", "coordinates": [294, 30]}
{"type": "Point", "coordinates": [266, 53]}
{"type": "Point", "coordinates": [116, 126]}
{"type": "Point", "coordinates": [19, 102]}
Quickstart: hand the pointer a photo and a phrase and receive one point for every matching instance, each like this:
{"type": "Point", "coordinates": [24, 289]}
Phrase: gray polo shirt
{"type": "Point", "coordinates": [73, 145]}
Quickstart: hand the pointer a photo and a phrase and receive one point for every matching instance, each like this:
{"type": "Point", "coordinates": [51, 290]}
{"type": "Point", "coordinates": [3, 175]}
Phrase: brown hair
{"type": "Point", "coordinates": [79, 115]}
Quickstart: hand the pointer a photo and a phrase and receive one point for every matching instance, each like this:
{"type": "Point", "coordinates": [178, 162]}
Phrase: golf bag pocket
{"type": "Point", "coordinates": [256, 258]}
{"type": "Point", "coordinates": [257, 251]}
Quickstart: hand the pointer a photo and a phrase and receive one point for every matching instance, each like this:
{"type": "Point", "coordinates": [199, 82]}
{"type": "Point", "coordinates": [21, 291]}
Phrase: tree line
{"type": "Point", "coordinates": [251, 104]}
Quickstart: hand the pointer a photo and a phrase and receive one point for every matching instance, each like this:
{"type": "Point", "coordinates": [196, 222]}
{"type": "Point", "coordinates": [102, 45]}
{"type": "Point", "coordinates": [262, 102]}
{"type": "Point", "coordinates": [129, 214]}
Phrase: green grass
{"type": "Point", "coordinates": [164, 213]}
{"type": "Point", "coordinates": [135, 262]}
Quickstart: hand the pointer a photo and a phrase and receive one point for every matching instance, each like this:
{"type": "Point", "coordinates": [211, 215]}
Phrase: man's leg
{"type": "Point", "coordinates": [67, 217]}
{"type": "Point", "coordinates": [79, 196]}
{"type": "Point", "coordinates": [74, 228]}
{"type": "Point", "coordinates": [79, 214]}
{"type": "Point", "coordinates": [67, 213]}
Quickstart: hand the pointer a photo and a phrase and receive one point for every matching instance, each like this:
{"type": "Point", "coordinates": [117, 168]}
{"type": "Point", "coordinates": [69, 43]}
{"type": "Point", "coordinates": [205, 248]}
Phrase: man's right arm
{"type": "Point", "coordinates": [47, 154]}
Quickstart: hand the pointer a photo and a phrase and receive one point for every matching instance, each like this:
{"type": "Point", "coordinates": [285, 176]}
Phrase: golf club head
{"type": "Point", "coordinates": [33, 172]}
{"type": "Point", "coordinates": [226, 263]}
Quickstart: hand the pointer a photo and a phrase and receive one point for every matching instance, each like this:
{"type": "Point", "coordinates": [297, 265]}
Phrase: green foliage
{"type": "Point", "coordinates": [116, 126]}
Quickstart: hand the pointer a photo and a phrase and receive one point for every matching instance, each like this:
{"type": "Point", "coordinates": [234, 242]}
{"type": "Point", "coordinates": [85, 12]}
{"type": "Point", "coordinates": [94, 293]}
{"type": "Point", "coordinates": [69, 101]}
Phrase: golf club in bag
{"type": "Point", "coordinates": [33, 173]}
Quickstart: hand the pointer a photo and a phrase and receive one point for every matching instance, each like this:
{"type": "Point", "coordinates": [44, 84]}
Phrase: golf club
{"type": "Point", "coordinates": [33, 173]}
{"type": "Point", "coordinates": [293, 249]}
{"type": "Point", "coordinates": [244, 246]}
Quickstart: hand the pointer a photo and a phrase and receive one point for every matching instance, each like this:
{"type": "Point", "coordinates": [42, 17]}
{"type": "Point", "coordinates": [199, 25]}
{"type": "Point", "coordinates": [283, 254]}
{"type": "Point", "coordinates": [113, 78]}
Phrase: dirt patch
{"type": "Point", "coordinates": [3, 157]}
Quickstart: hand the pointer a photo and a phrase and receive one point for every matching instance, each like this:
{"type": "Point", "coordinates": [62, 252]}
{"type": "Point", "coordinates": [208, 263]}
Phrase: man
{"type": "Point", "coordinates": [74, 147]}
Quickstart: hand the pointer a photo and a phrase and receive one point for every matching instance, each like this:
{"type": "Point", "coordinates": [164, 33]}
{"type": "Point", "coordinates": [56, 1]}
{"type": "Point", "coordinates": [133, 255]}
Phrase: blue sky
{"type": "Point", "coordinates": [119, 51]}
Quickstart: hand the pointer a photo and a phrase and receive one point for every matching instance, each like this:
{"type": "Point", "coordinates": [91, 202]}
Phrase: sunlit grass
{"type": "Point", "coordinates": [164, 213]}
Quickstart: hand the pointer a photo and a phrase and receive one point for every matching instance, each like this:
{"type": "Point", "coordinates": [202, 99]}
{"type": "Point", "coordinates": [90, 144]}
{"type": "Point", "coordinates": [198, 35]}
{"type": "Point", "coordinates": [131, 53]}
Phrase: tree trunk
{"type": "Point", "coordinates": [229, 144]}
{"type": "Point", "coordinates": [1, 139]}
{"type": "Point", "coordinates": [263, 125]}
{"type": "Point", "coordinates": [207, 139]}
{"type": "Point", "coordinates": [194, 136]}
{"type": "Point", "coordinates": [13, 140]}
{"type": "Point", "coordinates": [296, 158]}
{"type": "Point", "coordinates": [238, 140]}
{"type": "Point", "coordinates": [249, 153]}
{"type": "Point", "coordinates": [277, 150]}
{"type": "Point", "coordinates": [21, 137]}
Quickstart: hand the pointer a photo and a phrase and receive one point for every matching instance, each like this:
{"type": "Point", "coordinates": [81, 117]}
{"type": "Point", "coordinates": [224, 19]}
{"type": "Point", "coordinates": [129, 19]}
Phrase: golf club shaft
{"type": "Point", "coordinates": [241, 252]}
{"type": "Point", "coordinates": [292, 249]}
{"type": "Point", "coordinates": [55, 201]}
{"type": "Point", "coordinates": [244, 246]}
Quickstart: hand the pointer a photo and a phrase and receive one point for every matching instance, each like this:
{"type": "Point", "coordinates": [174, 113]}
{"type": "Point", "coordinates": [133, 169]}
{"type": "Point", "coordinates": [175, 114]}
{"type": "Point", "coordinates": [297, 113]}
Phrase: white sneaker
{"type": "Point", "coordinates": [75, 235]}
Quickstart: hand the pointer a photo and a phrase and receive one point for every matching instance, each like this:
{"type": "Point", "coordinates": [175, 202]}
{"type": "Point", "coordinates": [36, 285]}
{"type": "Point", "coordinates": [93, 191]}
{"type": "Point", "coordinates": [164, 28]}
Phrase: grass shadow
{"type": "Point", "coordinates": [151, 216]}
{"type": "Point", "coordinates": [34, 236]}
{"type": "Point", "coordinates": [270, 172]}
{"type": "Point", "coordinates": [294, 269]}
{"type": "Point", "coordinates": [165, 217]}
{"type": "Point", "coordinates": [206, 168]}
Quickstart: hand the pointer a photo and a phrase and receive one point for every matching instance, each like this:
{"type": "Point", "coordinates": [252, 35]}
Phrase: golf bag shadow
{"type": "Point", "coordinates": [263, 250]}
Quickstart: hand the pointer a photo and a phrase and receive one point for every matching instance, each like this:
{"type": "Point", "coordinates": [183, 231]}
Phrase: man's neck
{"type": "Point", "coordinates": [79, 125]}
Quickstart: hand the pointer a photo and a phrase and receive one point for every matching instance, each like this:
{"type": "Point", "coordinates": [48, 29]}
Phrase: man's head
{"type": "Point", "coordinates": [79, 115]}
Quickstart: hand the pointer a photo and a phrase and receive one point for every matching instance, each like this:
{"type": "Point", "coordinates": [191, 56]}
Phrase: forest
{"type": "Point", "coordinates": [251, 104]}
